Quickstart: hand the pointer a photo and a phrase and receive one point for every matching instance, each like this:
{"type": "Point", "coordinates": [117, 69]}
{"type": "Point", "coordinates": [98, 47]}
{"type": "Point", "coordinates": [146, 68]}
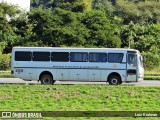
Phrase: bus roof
{"type": "Point", "coordinates": [72, 48]}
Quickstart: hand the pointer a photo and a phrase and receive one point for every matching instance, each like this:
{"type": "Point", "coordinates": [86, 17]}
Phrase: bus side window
{"type": "Point", "coordinates": [23, 56]}
{"type": "Point", "coordinates": [97, 57]}
{"type": "Point", "coordinates": [78, 57]}
{"type": "Point", "coordinates": [41, 56]}
{"type": "Point", "coordinates": [115, 57]}
{"type": "Point", "coordinates": [60, 56]}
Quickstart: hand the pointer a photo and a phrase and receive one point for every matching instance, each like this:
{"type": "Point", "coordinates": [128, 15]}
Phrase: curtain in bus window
{"type": "Point", "coordinates": [79, 57]}
{"type": "Point", "coordinates": [97, 57]}
{"type": "Point", "coordinates": [115, 57]}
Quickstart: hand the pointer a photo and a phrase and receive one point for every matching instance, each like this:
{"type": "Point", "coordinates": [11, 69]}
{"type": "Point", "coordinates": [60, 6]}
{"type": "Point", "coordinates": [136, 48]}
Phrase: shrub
{"type": "Point", "coordinates": [5, 61]}
{"type": "Point", "coordinates": [151, 60]}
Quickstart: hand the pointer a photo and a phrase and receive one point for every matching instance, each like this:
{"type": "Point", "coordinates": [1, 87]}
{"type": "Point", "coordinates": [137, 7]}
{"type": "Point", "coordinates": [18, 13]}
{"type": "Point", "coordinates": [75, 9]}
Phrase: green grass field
{"type": "Point", "coordinates": [5, 74]}
{"type": "Point", "coordinates": [78, 98]}
{"type": "Point", "coordinates": [153, 71]}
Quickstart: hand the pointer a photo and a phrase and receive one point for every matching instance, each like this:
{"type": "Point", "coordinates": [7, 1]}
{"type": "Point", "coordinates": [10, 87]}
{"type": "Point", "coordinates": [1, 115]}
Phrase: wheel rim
{"type": "Point", "coordinates": [46, 80]}
{"type": "Point", "coordinates": [114, 81]}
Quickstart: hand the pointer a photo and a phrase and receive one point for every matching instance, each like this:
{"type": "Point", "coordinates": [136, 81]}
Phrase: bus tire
{"type": "Point", "coordinates": [114, 80]}
{"type": "Point", "coordinates": [46, 80]}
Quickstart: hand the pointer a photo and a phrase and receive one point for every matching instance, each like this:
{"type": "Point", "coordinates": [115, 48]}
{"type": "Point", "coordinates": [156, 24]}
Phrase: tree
{"type": "Point", "coordinates": [70, 5]}
{"type": "Point", "coordinates": [103, 5]}
{"type": "Point", "coordinates": [143, 11]}
{"type": "Point", "coordinates": [144, 38]}
{"type": "Point", "coordinates": [102, 32]}
{"type": "Point", "coordinates": [57, 28]}
{"type": "Point", "coordinates": [7, 35]}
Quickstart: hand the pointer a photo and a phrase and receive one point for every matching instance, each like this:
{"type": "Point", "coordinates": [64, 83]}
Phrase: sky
{"type": "Point", "coordinates": [25, 4]}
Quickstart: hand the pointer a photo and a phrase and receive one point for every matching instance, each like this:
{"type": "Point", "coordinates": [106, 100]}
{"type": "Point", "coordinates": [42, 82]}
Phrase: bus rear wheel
{"type": "Point", "coordinates": [114, 80]}
{"type": "Point", "coordinates": [46, 80]}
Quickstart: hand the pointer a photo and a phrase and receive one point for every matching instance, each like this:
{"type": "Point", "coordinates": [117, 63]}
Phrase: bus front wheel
{"type": "Point", "coordinates": [47, 79]}
{"type": "Point", "coordinates": [114, 80]}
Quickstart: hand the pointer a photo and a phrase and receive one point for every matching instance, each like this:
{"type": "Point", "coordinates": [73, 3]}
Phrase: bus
{"type": "Point", "coordinates": [50, 64]}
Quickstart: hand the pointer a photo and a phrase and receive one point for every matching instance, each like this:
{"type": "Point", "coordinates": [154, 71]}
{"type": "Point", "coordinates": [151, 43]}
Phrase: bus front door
{"type": "Point", "coordinates": [131, 67]}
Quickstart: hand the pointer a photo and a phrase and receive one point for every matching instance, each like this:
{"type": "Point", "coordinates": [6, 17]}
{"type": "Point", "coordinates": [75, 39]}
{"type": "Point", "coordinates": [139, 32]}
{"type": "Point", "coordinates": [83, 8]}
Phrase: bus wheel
{"type": "Point", "coordinates": [114, 80]}
{"type": "Point", "coordinates": [46, 80]}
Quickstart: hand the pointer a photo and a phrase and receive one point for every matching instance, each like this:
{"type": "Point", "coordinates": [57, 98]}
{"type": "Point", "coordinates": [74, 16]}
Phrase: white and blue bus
{"type": "Point", "coordinates": [51, 64]}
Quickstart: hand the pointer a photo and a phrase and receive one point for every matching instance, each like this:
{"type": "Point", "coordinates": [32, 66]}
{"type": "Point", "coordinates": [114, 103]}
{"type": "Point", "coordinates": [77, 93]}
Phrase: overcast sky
{"type": "Point", "coordinates": [22, 3]}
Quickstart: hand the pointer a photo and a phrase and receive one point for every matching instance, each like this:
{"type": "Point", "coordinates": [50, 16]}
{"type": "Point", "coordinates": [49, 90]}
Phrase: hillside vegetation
{"type": "Point", "coordinates": [83, 23]}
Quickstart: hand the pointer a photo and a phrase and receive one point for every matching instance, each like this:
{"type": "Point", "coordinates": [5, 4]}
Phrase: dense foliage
{"type": "Point", "coordinates": [84, 23]}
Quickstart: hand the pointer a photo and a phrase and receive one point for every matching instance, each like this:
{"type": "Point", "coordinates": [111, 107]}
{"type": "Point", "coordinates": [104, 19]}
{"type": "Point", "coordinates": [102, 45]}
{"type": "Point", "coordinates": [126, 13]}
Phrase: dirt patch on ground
{"type": "Point", "coordinates": [6, 96]}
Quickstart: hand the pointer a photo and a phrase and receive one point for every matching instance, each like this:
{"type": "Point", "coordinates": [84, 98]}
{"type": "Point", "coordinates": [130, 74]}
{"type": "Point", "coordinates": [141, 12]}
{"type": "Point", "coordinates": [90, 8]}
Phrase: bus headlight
{"type": "Point", "coordinates": [140, 75]}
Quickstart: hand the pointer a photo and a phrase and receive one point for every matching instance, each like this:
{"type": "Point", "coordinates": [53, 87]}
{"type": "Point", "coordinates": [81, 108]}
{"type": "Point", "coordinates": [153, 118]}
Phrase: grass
{"type": "Point", "coordinates": [5, 74]}
{"type": "Point", "coordinates": [78, 98]}
{"type": "Point", "coordinates": [153, 74]}
{"type": "Point", "coordinates": [151, 77]}
{"type": "Point", "coordinates": [153, 71]}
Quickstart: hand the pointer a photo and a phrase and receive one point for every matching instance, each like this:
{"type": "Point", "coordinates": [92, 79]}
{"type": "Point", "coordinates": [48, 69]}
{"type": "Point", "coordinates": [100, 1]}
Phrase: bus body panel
{"type": "Point", "coordinates": [95, 75]}
{"type": "Point", "coordinates": [77, 71]}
